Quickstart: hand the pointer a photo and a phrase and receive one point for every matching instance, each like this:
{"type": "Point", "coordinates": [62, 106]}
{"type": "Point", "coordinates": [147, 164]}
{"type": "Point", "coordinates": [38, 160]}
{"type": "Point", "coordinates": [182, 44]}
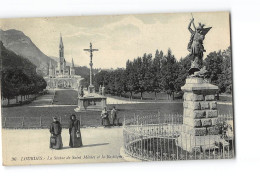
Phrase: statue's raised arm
{"type": "Point", "coordinates": [189, 27]}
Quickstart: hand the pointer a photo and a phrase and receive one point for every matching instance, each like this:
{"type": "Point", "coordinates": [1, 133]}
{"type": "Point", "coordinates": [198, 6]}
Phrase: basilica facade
{"type": "Point", "coordinates": [62, 75]}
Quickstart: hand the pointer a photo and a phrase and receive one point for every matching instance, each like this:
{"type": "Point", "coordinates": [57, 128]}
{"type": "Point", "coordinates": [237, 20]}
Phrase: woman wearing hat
{"type": "Point", "coordinates": [55, 130]}
{"type": "Point", "coordinates": [74, 131]}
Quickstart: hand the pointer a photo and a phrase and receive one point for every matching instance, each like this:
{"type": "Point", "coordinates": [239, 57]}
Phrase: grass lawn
{"type": "Point", "coordinates": [65, 97]}
{"type": "Point", "coordinates": [225, 98]}
{"type": "Point", "coordinates": [31, 115]}
{"type": "Point", "coordinates": [149, 96]}
{"type": "Point", "coordinates": [161, 97]}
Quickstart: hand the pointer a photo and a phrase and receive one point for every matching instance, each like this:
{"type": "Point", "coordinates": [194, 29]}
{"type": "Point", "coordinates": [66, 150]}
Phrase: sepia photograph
{"type": "Point", "coordinates": [117, 88]}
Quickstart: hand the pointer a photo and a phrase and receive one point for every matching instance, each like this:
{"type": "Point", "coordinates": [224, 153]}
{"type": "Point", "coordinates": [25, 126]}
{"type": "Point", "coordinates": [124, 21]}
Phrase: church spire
{"type": "Point", "coordinates": [61, 43]}
{"type": "Point", "coordinates": [61, 49]}
{"type": "Point", "coordinates": [72, 63]}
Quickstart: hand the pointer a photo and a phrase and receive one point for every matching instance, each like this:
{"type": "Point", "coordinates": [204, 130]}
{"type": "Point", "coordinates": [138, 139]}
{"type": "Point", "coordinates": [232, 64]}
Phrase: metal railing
{"type": "Point", "coordinates": [164, 137]}
{"type": "Point", "coordinates": [43, 122]}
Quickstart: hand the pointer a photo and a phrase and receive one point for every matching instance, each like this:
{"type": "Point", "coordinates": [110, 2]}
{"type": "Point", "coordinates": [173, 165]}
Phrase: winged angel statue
{"type": "Point", "coordinates": [196, 48]}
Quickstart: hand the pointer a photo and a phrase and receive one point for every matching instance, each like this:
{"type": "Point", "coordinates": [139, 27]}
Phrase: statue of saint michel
{"type": "Point", "coordinates": [196, 48]}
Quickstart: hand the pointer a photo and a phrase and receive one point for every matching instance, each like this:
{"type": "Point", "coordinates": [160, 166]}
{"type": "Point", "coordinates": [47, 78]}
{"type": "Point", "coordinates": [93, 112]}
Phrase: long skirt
{"type": "Point", "coordinates": [105, 121]}
{"type": "Point", "coordinates": [58, 144]}
{"type": "Point", "coordinates": [74, 140]}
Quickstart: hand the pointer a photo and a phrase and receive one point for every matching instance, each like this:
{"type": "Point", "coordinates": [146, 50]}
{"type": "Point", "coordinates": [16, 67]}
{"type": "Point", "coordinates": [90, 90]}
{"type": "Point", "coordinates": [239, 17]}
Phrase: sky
{"type": "Point", "coordinates": [120, 37]}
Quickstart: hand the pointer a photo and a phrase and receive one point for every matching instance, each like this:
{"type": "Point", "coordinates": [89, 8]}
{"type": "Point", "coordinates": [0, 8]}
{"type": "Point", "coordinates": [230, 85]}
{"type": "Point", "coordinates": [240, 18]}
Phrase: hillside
{"type": "Point", "coordinates": [22, 45]}
{"type": "Point", "coordinates": [18, 75]}
{"type": "Point", "coordinates": [11, 61]}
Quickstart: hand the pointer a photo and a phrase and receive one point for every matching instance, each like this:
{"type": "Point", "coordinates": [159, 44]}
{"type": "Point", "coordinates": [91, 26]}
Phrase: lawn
{"type": "Point", "coordinates": [27, 116]}
{"type": "Point", "coordinates": [65, 97]}
{"type": "Point", "coordinates": [162, 97]}
{"type": "Point", "coordinates": [32, 115]}
{"type": "Point", "coordinates": [147, 96]}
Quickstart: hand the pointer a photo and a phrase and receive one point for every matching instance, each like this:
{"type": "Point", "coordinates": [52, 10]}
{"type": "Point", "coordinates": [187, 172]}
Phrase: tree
{"type": "Point", "coordinates": [225, 79]}
{"type": "Point", "coordinates": [213, 63]}
{"type": "Point", "coordinates": [184, 65]}
{"type": "Point", "coordinates": [101, 78]}
{"type": "Point", "coordinates": [7, 87]}
{"type": "Point", "coordinates": [164, 73]}
{"type": "Point", "coordinates": [120, 81]}
{"type": "Point", "coordinates": [156, 73]}
{"type": "Point", "coordinates": [132, 80]}
{"type": "Point", "coordinates": [19, 76]}
{"type": "Point", "coordinates": [169, 73]}
{"type": "Point", "coordinates": [144, 74]}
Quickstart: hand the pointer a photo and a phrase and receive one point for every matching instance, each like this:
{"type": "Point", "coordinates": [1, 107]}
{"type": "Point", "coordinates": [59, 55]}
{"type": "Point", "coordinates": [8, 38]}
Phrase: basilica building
{"type": "Point", "coordinates": [62, 75]}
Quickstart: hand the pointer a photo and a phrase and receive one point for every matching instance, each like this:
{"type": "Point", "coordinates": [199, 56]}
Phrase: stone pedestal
{"type": "Point", "coordinates": [200, 114]}
{"type": "Point", "coordinates": [91, 89]}
{"type": "Point", "coordinates": [80, 107]}
{"type": "Point", "coordinates": [91, 102]}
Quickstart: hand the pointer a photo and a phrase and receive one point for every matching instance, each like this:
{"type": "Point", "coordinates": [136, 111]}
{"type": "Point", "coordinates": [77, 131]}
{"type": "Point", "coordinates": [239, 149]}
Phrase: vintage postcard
{"type": "Point", "coordinates": [117, 88]}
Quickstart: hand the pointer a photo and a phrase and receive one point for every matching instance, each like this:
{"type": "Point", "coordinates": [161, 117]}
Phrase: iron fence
{"type": "Point", "coordinates": [164, 137]}
{"type": "Point", "coordinates": [40, 122]}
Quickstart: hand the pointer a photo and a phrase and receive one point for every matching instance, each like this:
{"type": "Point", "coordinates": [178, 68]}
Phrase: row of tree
{"type": "Point", "coordinates": [18, 76]}
{"type": "Point", "coordinates": [164, 73]}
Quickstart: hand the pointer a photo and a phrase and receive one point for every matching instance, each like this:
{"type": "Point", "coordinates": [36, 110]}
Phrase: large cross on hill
{"type": "Point", "coordinates": [91, 50]}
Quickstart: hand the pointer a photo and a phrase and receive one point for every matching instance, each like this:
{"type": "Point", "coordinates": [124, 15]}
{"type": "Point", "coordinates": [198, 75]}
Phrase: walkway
{"type": "Point", "coordinates": [29, 147]}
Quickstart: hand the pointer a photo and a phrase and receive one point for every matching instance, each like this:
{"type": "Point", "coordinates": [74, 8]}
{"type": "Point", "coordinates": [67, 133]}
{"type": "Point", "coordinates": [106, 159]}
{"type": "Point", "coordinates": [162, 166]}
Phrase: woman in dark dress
{"type": "Point", "coordinates": [55, 130]}
{"type": "Point", "coordinates": [104, 118]}
{"type": "Point", "coordinates": [74, 131]}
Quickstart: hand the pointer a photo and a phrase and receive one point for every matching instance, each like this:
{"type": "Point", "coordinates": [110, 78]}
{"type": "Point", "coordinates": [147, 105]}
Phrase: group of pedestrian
{"type": "Point", "coordinates": [74, 129]}
{"type": "Point", "coordinates": [74, 132]}
{"type": "Point", "coordinates": [114, 120]}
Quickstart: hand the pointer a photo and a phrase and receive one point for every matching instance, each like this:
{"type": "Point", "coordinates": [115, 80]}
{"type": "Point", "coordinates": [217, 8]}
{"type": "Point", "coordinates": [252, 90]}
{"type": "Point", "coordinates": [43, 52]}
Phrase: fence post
{"type": "Point", "coordinates": [23, 122]}
{"type": "Point", "coordinates": [4, 125]}
{"type": "Point", "coordinates": [40, 122]}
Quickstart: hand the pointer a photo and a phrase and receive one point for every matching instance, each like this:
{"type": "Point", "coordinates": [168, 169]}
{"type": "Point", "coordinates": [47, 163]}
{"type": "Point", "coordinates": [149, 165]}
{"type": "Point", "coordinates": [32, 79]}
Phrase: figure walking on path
{"type": "Point", "coordinates": [74, 131]}
{"type": "Point", "coordinates": [104, 118]}
{"type": "Point", "coordinates": [114, 116]}
{"type": "Point", "coordinates": [55, 130]}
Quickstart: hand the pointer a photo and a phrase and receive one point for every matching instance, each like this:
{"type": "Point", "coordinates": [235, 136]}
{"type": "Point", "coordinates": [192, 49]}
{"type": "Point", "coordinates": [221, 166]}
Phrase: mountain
{"type": "Point", "coordinates": [22, 45]}
{"type": "Point", "coordinates": [18, 75]}
{"type": "Point", "coordinates": [11, 61]}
